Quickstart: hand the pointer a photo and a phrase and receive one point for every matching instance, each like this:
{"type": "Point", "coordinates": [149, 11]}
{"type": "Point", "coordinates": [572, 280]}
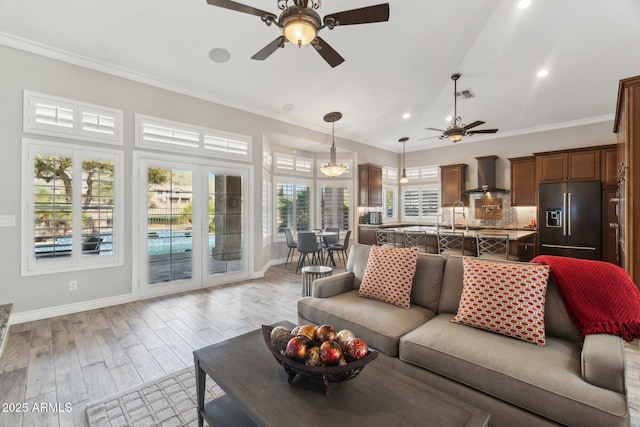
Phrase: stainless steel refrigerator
{"type": "Point", "coordinates": [570, 219]}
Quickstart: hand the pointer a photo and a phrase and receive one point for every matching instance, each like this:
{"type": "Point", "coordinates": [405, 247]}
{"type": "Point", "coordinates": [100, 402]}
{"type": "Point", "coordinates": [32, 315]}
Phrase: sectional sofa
{"type": "Point", "coordinates": [568, 381]}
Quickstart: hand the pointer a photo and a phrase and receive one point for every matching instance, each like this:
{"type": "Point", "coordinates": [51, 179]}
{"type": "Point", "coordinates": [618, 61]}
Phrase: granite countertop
{"type": "Point", "coordinates": [513, 233]}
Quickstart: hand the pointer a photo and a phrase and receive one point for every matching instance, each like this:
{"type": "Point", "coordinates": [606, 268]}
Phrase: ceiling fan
{"type": "Point", "coordinates": [300, 24]}
{"type": "Point", "coordinates": [457, 130]}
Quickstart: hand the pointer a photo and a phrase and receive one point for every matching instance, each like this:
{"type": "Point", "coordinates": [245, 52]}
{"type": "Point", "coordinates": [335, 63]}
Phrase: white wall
{"type": "Point", "coordinates": [25, 71]}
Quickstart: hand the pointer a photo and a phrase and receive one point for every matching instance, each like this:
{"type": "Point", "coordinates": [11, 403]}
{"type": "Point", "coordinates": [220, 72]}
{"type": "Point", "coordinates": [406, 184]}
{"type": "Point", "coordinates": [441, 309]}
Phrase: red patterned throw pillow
{"type": "Point", "coordinates": [389, 275]}
{"type": "Point", "coordinates": [506, 298]}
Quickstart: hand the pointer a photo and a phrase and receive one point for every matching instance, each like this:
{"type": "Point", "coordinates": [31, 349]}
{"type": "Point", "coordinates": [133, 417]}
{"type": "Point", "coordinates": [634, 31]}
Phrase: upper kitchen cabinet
{"type": "Point", "coordinates": [609, 167]}
{"type": "Point", "coordinates": [524, 188]}
{"type": "Point", "coordinates": [572, 165]}
{"type": "Point", "coordinates": [453, 183]}
{"type": "Point", "coordinates": [369, 185]}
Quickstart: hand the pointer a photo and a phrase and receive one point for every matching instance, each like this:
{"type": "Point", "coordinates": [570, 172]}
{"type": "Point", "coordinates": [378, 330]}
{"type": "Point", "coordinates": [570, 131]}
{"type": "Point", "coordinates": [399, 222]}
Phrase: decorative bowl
{"type": "Point", "coordinates": [326, 374]}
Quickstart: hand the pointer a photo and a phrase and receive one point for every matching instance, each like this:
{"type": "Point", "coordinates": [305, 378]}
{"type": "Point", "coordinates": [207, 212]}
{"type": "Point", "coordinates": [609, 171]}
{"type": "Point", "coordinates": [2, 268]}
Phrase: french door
{"type": "Point", "coordinates": [192, 225]}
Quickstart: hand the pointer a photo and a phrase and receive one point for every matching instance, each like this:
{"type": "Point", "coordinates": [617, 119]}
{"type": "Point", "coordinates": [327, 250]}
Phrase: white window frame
{"type": "Point", "coordinates": [185, 138]}
{"type": "Point", "coordinates": [335, 184]}
{"type": "Point", "coordinates": [420, 188]}
{"type": "Point", "coordinates": [267, 208]}
{"type": "Point", "coordinates": [292, 165]}
{"type": "Point", "coordinates": [394, 216]}
{"type": "Point", "coordinates": [77, 126]}
{"type": "Point", "coordinates": [288, 180]}
{"type": "Point", "coordinates": [389, 174]}
{"type": "Point", "coordinates": [348, 163]}
{"type": "Point", "coordinates": [29, 264]}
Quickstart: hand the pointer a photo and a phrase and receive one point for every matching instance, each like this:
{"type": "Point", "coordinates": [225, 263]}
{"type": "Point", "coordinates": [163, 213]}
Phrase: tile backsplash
{"type": "Point", "coordinates": [486, 210]}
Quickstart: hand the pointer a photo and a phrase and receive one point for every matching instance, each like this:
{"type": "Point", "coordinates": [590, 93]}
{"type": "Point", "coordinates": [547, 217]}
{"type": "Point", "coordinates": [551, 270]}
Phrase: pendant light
{"type": "Point", "coordinates": [333, 169]}
{"type": "Point", "coordinates": [403, 177]}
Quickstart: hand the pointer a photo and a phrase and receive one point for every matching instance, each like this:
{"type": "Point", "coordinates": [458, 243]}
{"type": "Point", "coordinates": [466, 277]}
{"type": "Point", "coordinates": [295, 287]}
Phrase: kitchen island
{"type": "Point", "coordinates": [522, 242]}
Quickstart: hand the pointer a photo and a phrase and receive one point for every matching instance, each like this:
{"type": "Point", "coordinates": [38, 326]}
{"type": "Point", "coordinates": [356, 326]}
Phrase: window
{"type": "Point", "coordinates": [389, 174]}
{"type": "Point", "coordinates": [389, 202]}
{"type": "Point", "coordinates": [293, 205]}
{"type": "Point", "coordinates": [74, 210]}
{"type": "Point", "coordinates": [53, 116]}
{"type": "Point", "coordinates": [335, 205]}
{"type": "Point", "coordinates": [421, 201]}
{"type": "Point", "coordinates": [267, 207]}
{"type": "Point", "coordinates": [285, 163]}
{"type": "Point", "coordinates": [173, 136]}
{"type": "Point", "coordinates": [431, 172]}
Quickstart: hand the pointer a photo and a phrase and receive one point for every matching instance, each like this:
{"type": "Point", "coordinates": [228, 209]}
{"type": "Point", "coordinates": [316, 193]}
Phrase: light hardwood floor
{"type": "Point", "coordinates": [86, 356]}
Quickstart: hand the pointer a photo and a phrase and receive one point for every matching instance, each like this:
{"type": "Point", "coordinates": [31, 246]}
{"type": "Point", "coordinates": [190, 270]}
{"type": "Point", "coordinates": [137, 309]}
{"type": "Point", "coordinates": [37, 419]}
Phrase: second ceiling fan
{"type": "Point", "coordinates": [457, 130]}
{"type": "Point", "coordinates": [300, 24]}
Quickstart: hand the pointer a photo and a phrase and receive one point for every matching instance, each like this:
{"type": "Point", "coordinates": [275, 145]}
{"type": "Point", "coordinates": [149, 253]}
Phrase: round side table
{"type": "Point", "coordinates": [311, 273]}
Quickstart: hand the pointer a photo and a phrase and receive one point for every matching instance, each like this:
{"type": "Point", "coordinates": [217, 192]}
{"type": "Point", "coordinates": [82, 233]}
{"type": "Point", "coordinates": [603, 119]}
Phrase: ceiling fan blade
{"type": "Point", "coordinates": [365, 15]}
{"type": "Point", "coordinates": [269, 49]}
{"type": "Point", "coordinates": [474, 124]}
{"type": "Point", "coordinates": [472, 132]}
{"type": "Point", "coordinates": [231, 5]}
{"type": "Point", "coordinates": [332, 57]}
{"type": "Point", "coordinates": [439, 130]}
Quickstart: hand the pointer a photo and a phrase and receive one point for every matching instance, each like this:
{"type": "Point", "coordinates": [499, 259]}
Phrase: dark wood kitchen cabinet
{"type": "Point", "coordinates": [571, 165]}
{"type": "Point", "coordinates": [524, 188]}
{"type": "Point", "coordinates": [369, 185]}
{"type": "Point", "coordinates": [453, 183]}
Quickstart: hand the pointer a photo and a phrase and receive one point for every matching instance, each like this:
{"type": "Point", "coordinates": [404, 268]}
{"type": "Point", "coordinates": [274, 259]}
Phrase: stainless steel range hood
{"type": "Point", "coordinates": [487, 176]}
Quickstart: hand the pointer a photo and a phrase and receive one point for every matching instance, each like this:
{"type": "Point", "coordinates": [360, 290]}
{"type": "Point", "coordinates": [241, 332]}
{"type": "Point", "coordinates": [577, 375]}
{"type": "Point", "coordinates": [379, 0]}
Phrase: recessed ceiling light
{"type": "Point", "coordinates": [219, 55]}
{"type": "Point", "coordinates": [406, 116]}
{"type": "Point", "coordinates": [523, 4]}
{"type": "Point", "coordinates": [449, 118]}
{"type": "Point", "coordinates": [542, 73]}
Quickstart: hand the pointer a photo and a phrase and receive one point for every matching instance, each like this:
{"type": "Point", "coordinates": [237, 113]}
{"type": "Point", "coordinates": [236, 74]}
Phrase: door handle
{"type": "Point", "coordinates": [564, 214]}
{"type": "Point", "coordinates": [569, 214]}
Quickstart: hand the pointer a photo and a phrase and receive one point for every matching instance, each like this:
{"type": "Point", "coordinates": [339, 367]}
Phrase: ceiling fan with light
{"type": "Point", "coordinates": [300, 24]}
{"type": "Point", "coordinates": [457, 130]}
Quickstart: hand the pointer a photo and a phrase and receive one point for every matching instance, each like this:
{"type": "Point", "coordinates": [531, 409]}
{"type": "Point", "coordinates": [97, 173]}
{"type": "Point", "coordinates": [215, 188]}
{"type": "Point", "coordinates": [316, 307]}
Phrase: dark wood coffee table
{"type": "Point", "coordinates": [257, 393]}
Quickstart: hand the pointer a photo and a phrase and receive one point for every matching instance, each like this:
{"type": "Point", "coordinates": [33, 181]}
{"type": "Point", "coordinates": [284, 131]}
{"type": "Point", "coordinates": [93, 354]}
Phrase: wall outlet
{"type": "Point", "coordinates": [73, 285]}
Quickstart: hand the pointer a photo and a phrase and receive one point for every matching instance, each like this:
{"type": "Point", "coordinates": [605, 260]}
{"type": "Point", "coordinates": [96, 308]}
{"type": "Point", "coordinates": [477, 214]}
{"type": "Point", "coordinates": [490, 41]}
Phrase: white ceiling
{"type": "Point", "coordinates": [392, 68]}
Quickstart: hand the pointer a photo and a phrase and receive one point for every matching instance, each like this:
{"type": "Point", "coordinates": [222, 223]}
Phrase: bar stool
{"type": "Point", "coordinates": [450, 243]}
{"type": "Point", "coordinates": [494, 246]}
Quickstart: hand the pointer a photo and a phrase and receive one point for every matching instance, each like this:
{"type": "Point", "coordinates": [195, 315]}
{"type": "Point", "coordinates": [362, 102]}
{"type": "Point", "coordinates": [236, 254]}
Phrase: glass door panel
{"type": "Point", "coordinates": [169, 225]}
{"type": "Point", "coordinates": [226, 212]}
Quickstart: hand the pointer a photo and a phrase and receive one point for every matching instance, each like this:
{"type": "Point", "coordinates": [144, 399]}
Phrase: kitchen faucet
{"type": "Point", "coordinates": [457, 203]}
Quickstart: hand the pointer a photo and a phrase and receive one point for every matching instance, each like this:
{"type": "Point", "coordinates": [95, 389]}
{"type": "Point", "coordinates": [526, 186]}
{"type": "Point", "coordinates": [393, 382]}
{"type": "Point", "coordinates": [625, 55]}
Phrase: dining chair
{"type": "Point", "coordinates": [340, 248]}
{"type": "Point", "coordinates": [494, 246]}
{"type": "Point", "coordinates": [291, 244]}
{"type": "Point", "coordinates": [328, 241]}
{"type": "Point", "coordinates": [451, 243]}
{"type": "Point", "coordinates": [307, 244]}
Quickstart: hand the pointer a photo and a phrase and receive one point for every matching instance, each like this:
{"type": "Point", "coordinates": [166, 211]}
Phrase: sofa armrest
{"type": "Point", "coordinates": [332, 285]}
{"type": "Point", "coordinates": [603, 362]}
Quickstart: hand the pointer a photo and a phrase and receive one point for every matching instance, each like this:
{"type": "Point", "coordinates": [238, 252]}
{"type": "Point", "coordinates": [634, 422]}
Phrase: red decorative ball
{"type": "Point", "coordinates": [330, 353]}
{"type": "Point", "coordinates": [297, 348]}
{"type": "Point", "coordinates": [357, 349]}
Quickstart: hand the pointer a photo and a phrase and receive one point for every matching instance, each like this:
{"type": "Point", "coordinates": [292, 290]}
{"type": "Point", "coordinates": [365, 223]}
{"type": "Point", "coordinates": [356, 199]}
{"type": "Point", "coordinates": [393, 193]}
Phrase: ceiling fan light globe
{"type": "Point", "coordinates": [300, 32]}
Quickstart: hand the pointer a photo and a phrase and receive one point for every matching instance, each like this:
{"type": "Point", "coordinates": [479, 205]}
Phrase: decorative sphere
{"type": "Point", "coordinates": [330, 353]}
{"type": "Point", "coordinates": [357, 349]}
{"type": "Point", "coordinates": [297, 348]}
{"type": "Point", "coordinates": [280, 336]}
{"type": "Point", "coordinates": [326, 333]}
{"type": "Point", "coordinates": [313, 357]}
{"type": "Point", "coordinates": [308, 331]}
{"type": "Point", "coordinates": [343, 338]}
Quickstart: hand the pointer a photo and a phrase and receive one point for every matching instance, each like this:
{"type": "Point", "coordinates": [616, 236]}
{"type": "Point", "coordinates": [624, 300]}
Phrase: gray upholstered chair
{"type": "Point", "coordinates": [291, 244]}
{"type": "Point", "coordinates": [307, 245]}
{"type": "Point", "coordinates": [340, 248]}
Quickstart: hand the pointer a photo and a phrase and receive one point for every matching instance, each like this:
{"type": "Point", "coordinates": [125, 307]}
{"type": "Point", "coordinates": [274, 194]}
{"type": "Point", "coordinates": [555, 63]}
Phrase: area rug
{"type": "Point", "coordinates": [167, 401]}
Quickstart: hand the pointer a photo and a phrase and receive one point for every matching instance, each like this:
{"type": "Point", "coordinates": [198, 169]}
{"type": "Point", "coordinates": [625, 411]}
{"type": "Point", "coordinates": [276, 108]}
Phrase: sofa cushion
{"type": "Point", "coordinates": [389, 275]}
{"type": "Point", "coordinates": [506, 298]}
{"type": "Point", "coordinates": [545, 380]}
{"type": "Point", "coordinates": [451, 288]}
{"type": "Point", "coordinates": [425, 290]}
{"type": "Point", "coordinates": [380, 324]}
{"type": "Point", "coordinates": [357, 262]}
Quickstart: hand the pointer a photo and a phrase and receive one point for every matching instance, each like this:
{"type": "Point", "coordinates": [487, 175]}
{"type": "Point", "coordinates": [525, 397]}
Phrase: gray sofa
{"type": "Point", "coordinates": [570, 381]}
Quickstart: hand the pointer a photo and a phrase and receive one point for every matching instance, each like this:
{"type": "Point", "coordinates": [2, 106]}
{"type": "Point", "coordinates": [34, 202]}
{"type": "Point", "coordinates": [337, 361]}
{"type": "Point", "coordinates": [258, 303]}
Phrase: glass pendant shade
{"type": "Point", "coordinates": [333, 169]}
{"type": "Point", "coordinates": [299, 32]}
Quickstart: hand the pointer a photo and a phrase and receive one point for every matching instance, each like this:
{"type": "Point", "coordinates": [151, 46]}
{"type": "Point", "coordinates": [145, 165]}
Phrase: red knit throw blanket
{"type": "Point", "coordinates": [600, 297]}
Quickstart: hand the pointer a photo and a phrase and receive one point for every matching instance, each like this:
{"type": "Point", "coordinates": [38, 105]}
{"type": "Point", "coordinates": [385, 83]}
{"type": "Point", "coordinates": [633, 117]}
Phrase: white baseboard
{"type": "Point", "coordinates": [61, 310]}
